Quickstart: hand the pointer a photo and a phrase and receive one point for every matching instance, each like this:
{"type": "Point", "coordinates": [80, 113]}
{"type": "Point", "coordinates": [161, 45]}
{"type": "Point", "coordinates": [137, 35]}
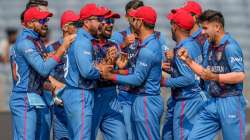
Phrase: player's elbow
{"type": "Point", "coordinates": [190, 80]}
{"type": "Point", "coordinates": [43, 72]}
{"type": "Point", "coordinates": [138, 81]}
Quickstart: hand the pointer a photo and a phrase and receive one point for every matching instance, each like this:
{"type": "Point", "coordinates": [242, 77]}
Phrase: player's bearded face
{"type": "Point", "coordinates": [173, 32]}
{"type": "Point", "coordinates": [94, 26]}
{"type": "Point", "coordinates": [71, 28]}
{"type": "Point", "coordinates": [41, 28]}
{"type": "Point", "coordinates": [137, 25]}
{"type": "Point", "coordinates": [107, 28]}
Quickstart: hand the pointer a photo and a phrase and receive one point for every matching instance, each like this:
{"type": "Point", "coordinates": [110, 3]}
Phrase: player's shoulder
{"type": "Point", "coordinates": [24, 43]}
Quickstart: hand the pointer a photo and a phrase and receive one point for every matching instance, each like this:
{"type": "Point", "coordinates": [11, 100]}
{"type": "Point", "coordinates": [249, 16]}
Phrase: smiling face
{"type": "Point", "coordinates": [70, 28]}
{"type": "Point", "coordinates": [106, 27]}
{"type": "Point", "coordinates": [210, 29]}
{"type": "Point", "coordinates": [40, 26]}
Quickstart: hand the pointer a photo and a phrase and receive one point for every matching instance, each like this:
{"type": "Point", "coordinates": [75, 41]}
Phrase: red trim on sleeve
{"type": "Point", "coordinates": [56, 58]}
{"type": "Point", "coordinates": [126, 72]}
{"type": "Point", "coordinates": [114, 78]}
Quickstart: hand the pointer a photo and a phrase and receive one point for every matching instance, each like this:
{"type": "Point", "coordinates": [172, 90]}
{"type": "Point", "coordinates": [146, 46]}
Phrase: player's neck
{"type": "Point", "coordinates": [181, 36]}
{"type": "Point", "coordinates": [145, 34]}
{"type": "Point", "coordinates": [194, 29]}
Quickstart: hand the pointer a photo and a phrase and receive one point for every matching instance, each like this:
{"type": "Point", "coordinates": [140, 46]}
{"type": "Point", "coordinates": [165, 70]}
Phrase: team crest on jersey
{"type": "Point", "coordinates": [218, 56]}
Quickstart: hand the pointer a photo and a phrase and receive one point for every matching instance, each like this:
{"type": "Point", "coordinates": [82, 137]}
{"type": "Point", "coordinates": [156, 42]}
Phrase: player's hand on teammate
{"type": "Point", "coordinates": [166, 67]}
{"type": "Point", "coordinates": [169, 55]}
{"type": "Point", "coordinates": [106, 72]}
{"type": "Point", "coordinates": [130, 39]}
{"type": "Point", "coordinates": [183, 54]}
{"type": "Point", "coordinates": [209, 75]}
{"type": "Point", "coordinates": [111, 55]}
{"type": "Point", "coordinates": [122, 60]}
{"type": "Point", "coordinates": [68, 40]}
{"type": "Point", "coordinates": [104, 68]}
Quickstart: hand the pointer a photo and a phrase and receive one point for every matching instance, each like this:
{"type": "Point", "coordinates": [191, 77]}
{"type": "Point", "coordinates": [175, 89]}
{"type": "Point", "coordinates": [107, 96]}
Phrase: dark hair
{"type": "Point", "coordinates": [133, 4]}
{"type": "Point", "coordinates": [212, 16]}
{"type": "Point", "coordinates": [33, 3]}
{"type": "Point", "coordinates": [149, 25]}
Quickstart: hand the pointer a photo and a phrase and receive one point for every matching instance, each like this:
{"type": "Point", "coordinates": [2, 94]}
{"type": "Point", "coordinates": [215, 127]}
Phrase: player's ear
{"type": "Point", "coordinates": [217, 26]}
{"type": "Point", "coordinates": [65, 28]}
{"type": "Point", "coordinates": [30, 25]}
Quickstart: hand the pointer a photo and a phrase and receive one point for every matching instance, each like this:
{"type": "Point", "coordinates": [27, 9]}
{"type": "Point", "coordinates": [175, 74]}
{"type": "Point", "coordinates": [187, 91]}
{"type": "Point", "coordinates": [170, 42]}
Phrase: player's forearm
{"type": "Point", "coordinates": [61, 51]}
{"type": "Point", "coordinates": [194, 66]}
{"type": "Point", "coordinates": [128, 79]}
{"type": "Point", "coordinates": [232, 78]}
{"type": "Point", "coordinates": [181, 81]}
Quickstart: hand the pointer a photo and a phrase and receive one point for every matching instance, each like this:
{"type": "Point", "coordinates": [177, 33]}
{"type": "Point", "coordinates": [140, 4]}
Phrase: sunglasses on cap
{"type": "Point", "coordinates": [109, 21]}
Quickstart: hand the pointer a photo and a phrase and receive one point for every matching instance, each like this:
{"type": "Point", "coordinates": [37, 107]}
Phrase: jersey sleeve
{"type": "Point", "coordinates": [83, 56]}
{"type": "Point", "coordinates": [143, 66]}
{"type": "Point", "coordinates": [186, 78]}
{"type": "Point", "coordinates": [234, 56]}
{"type": "Point", "coordinates": [35, 60]}
{"type": "Point", "coordinates": [117, 38]}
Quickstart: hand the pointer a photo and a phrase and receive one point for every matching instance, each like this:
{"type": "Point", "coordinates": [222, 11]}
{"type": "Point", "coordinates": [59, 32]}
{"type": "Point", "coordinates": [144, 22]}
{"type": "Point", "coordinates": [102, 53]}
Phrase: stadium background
{"type": "Point", "coordinates": [236, 13]}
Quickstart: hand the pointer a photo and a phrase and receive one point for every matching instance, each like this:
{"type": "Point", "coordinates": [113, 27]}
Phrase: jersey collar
{"type": "Point", "coordinates": [188, 39]}
{"type": "Point", "coordinates": [196, 33]}
{"type": "Point", "coordinates": [31, 33]}
{"type": "Point", "coordinates": [148, 39]}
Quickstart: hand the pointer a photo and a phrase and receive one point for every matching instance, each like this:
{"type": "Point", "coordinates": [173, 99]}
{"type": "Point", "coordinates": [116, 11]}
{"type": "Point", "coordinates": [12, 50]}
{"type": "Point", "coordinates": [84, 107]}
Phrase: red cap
{"type": "Point", "coordinates": [182, 18]}
{"type": "Point", "coordinates": [146, 13]}
{"type": "Point", "coordinates": [35, 13]}
{"type": "Point", "coordinates": [132, 12]}
{"type": "Point", "coordinates": [193, 7]}
{"type": "Point", "coordinates": [109, 13]}
{"type": "Point", "coordinates": [68, 16]}
{"type": "Point", "coordinates": [91, 9]}
{"type": "Point", "coordinates": [112, 14]}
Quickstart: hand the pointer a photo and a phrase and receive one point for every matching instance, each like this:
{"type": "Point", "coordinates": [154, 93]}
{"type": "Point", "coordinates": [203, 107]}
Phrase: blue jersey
{"type": "Point", "coordinates": [29, 66]}
{"type": "Point", "coordinates": [183, 82]}
{"type": "Point", "coordinates": [202, 41]}
{"type": "Point", "coordinates": [225, 58]}
{"type": "Point", "coordinates": [58, 71]}
{"type": "Point", "coordinates": [99, 55]}
{"type": "Point", "coordinates": [80, 71]}
{"type": "Point", "coordinates": [132, 51]}
{"type": "Point", "coordinates": [147, 71]}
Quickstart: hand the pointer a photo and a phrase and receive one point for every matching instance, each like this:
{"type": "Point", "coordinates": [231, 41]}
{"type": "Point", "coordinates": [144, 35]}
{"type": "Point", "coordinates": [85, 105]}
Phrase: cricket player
{"type": "Point", "coordinates": [69, 20]}
{"type": "Point", "coordinates": [30, 67]}
{"type": "Point", "coordinates": [225, 110]}
{"type": "Point", "coordinates": [147, 107]}
{"type": "Point", "coordinates": [195, 9]}
{"type": "Point", "coordinates": [183, 82]}
{"type": "Point", "coordinates": [129, 44]}
{"type": "Point", "coordinates": [80, 75]}
{"type": "Point", "coordinates": [106, 111]}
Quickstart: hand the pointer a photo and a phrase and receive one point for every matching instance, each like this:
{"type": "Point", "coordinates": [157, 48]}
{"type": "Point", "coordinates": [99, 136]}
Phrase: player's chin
{"type": "Point", "coordinates": [108, 34]}
{"type": "Point", "coordinates": [43, 33]}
